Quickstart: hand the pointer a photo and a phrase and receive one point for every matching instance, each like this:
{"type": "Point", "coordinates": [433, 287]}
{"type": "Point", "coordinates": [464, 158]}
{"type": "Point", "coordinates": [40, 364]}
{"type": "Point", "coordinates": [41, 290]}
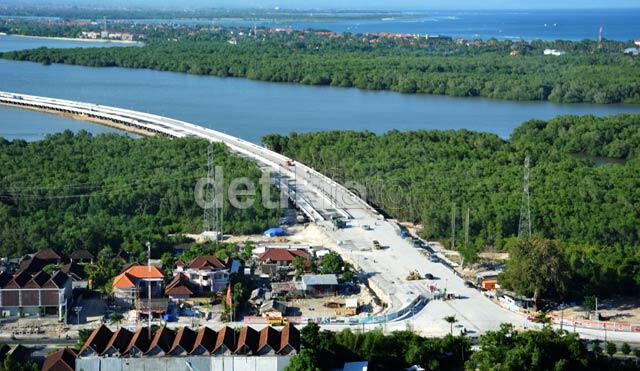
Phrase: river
{"type": "Point", "coordinates": [251, 109]}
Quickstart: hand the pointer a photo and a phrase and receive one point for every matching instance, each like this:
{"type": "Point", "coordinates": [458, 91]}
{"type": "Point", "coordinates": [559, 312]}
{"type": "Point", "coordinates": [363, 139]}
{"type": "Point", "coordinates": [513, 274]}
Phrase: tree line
{"type": "Point", "coordinates": [583, 186]}
{"type": "Point", "coordinates": [79, 191]}
{"type": "Point", "coordinates": [503, 349]}
{"type": "Point", "coordinates": [585, 74]}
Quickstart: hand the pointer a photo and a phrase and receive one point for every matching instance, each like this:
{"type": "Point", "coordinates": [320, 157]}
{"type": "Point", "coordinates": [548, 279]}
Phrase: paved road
{"type": "Point", "coordinates": [321, 198]}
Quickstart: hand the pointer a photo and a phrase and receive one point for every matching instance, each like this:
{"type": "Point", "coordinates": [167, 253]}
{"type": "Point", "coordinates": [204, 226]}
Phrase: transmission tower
{"type": "Point", "coordinates": [524, 227]}
{"type": "Point", "coordinates": [213, 212]}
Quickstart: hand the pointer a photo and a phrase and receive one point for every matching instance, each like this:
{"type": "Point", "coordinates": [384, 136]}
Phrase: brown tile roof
{"type": "Point", "coordinates": [74, 270]}
{"type": "Point", "coordinates": [281, 254]}
{"type": "Point", "coordinates": [247, 341]}
{"type": "Point", "coordinates": [206, 339]}
{"type": "Point", "coordinates": [184, 340]}
{"type": "Point", "coordinates": [290, 336]}
{"type": "Point", "coordinates": [98, 340]}
{"type": "Point", "coordinates": [207, 261]}
{"type": "Point", "coordinates": [179, 285]}
{"type": "Point", "coordinates": [119, 341]}
{"type": "Point", "coordinates": [269, 337]}
{"type": "Point", "coordinates": [59, 279]}
{"type": "Point", "coordinates": [47, 254]}
{"type": "Point", "coordinates": [81, 254]}
{"type": "Point", "coordinates": [140, 340]}
{"type": "Point", "coordinates": [163, 339]}
{"type": "Point", "coordinates": [62, 360]}
{"type": "Point", "coordinates": [227, 337]}
{"type": "Point", "coordinates": [39, 279]}
{"type": "Point", "coordinates": [20, 279]}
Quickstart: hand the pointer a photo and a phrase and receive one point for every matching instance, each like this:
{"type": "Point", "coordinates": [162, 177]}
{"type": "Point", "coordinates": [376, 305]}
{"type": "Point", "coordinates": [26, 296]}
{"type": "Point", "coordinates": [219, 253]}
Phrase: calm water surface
{"type": "Point", "coordinates": [251, 109]}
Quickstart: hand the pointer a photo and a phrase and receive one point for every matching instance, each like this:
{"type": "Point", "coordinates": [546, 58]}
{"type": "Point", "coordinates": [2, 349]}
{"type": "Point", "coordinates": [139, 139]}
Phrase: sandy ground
{"type": "Point", "coordinates": [623, 309]}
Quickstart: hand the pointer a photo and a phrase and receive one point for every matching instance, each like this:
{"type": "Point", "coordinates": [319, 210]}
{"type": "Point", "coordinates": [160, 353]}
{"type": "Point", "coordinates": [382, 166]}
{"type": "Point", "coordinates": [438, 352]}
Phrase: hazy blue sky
{"type": "Point", "coordinates": [348, 4]}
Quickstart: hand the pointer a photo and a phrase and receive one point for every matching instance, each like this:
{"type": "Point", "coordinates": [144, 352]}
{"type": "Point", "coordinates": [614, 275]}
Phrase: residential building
{"type": "Point", "coordinates": [273, 308]}
{"type": "Point", "coordinates": [206, 273]}
{"type": "Point", "coordinates": [135, 282]}
{"type": "Point", "coordinates": [81, 256]}
{"type": "Point", "coordinates": [35, 262]}
{"type": "Point", "coordinates": [282, 257]}
{"type": "Point", "coordinates": [318, 285]}
{"type": "Point", "coordinates": [77, 274]}
{"type": "Point", "coordinates": [39, 294]}
{"type": "Point", "coordinates": [179, 288]}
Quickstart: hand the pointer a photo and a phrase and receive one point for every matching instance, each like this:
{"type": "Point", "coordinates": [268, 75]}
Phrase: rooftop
{"type": "Point", "coordinates": [319, 279]}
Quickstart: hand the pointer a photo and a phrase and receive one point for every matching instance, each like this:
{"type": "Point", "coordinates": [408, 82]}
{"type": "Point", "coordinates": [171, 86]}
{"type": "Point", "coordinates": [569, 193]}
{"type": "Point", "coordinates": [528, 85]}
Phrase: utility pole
{"type": "Point", "coordinates": [149, 287]}
{"type": "Point", "coordinates": [453, 226]}
{"type": "Point", "coordinates": [524, 227]}
{"type": "Point", "coordinates": [466, 229]}
{"type": "Point", "coordinates": [213, 215]}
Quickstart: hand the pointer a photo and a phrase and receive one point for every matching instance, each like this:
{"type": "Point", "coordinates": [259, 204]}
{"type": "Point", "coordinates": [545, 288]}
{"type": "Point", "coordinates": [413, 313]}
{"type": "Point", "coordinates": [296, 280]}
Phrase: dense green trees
{"type": "Point", "coordinates": [504, 349]}
{"type": "Point", "coordinates": [537, 268]}
{"type": "Point", "coordinates": [441, 67]}
{"type": "Point", "coordinates": [73, 191]}
{"type": "Point", "coordinates": [585, 188]}
{"type": "Point", "coordinates": [326, 350]}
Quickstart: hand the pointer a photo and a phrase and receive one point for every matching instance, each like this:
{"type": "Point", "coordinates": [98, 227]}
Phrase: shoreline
{"type": "Point", "coordinates": [79, 39]}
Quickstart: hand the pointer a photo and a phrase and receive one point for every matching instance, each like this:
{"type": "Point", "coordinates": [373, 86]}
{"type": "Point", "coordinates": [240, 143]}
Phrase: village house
{"type": "Point", "coordinates": [134, 283]}
{"type": "Point", "coordinates": [277, 263]}
{"type": "Point", "coordinates": [318, 285]}
{"type": "Point", "coordinates": [35, 262]}
{"type": "Point", "coordinates": [206, 273]}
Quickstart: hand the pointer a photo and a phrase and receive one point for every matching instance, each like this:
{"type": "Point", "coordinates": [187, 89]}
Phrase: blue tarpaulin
{"type": "Point", "coordinates": [275, 232]}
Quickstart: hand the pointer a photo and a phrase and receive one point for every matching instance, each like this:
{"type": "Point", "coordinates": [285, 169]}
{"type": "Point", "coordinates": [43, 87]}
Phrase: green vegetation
{"type": "Point", "coordinates": [584, 187]}
{"type": "Point", "coordinates": [441, 66]}
{"type": "Point", "coordinates": [537, 268]}
{"type": "Point", "coordinates": [326, 350]}
{"type": "Point", "coordinates": [112, 193]}
{"type": "Point", "coordinates": [504, 349]}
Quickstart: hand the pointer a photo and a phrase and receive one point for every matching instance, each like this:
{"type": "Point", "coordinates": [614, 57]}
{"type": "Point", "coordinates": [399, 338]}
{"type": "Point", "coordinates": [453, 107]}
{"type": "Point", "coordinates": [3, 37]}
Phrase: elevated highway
{"type": "Point", "coordinates": [321, 199]}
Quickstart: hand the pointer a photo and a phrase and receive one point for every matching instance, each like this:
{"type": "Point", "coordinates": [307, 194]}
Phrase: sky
{"type": "Point", "coordinates": [345, 4]}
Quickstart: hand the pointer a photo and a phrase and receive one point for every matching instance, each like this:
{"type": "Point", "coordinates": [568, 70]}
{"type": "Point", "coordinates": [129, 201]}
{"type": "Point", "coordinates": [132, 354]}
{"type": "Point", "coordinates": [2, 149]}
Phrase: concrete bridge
{"type": "Point", "coordinates": [322, 199]}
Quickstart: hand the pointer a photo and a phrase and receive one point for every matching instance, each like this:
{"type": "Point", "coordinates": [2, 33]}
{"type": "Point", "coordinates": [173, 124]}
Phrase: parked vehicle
{"type": "Point", "coordinates": [429, 276]}
{"type": "Point", "coordinates": [376, 245]}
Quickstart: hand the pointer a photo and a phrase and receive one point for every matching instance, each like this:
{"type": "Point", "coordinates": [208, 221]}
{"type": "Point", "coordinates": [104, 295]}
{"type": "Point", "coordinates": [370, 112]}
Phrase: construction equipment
{"type": "Point", "coordinates": [413, 276]}
{"type": "Point", "coordinates": [376, 245]}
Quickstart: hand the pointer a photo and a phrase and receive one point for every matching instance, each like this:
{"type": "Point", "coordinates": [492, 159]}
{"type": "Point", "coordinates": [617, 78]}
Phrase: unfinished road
{"type": "Point", "coordinates": [322, 199]}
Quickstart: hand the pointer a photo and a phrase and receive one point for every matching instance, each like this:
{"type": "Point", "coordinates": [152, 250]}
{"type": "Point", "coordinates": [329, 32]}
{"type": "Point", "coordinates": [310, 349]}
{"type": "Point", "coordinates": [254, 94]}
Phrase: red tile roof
{"type": "Point", "coordinates": [206, 339]}
{"type": "Point", "coordinates": [247, 341]}
{"type": "Point", "coordinates": [127, 278]}
{"type": "Point", "coordinates": [227, 337]}
{"type": "Point", "coordinates": [207, 261]}
{"type": "Point", "coordinates": [289, 336]}
{"type": "Point", "coordinates": [62, 360]}
{"type": "Point", "coordinates": [184, 340]}
{"type": "Point", "coordinates": [140, 340]}
{"type": "Point", "coordinates": [269, 337]}
{"type": "Point", "coordinates": [98, 340]}
{"type": "Point", "coordinates": [119, 341]}
{"type": "Point", "coordinates": [163, 339]}
{"type": "Point", "coordinates": [281, 254]}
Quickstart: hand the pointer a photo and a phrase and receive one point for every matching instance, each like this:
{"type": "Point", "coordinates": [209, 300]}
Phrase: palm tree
{"type": "Point", "coordinates": [116, 319]}
{"type": "Point", "coordinates": [451, 320]}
